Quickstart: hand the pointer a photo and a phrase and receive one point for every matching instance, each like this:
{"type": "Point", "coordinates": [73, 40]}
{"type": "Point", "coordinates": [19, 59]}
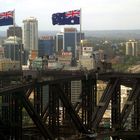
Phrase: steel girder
{"type": "Point", "coordinates": [104, 102]}
{"type": "Point", "coordinates": [70, 109]}
{"type": "Point", "coordinates": [88, 97]}
{"type": "Point", "coordinates": [130, 102]}
{"type": "Point", "coordinates": [115, 108]}
{"type": "Point", "coordinates": [35, 117]}
{"type": "Point", "coordinates": [12, 117]}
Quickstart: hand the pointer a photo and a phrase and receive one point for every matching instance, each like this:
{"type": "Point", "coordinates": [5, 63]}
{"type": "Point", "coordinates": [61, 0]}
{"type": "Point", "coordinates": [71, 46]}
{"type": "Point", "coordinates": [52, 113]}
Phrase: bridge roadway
{"type": "Point", "coordinates": [57, 116]}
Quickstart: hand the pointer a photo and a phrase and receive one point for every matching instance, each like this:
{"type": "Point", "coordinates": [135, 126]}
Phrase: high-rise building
{"type": "Point", "coordinates": [30, 36]}
{"type": "Point", "coordinates": [132, 48]}
{"type": "Point", "coordinates": [70, 40]}
{"type": "Point", "coordinates": [14, 31]}
{"type": "Point", "coordinates": [13, 49]}
{"type": "Point", "coordinates": [80, 36]}
{"type": "Point", "coordinates": [59, 42]}
{"type": "Point", "coordinates": [1, 52]}
{"type": "Point", "coordinates": [46, 46]}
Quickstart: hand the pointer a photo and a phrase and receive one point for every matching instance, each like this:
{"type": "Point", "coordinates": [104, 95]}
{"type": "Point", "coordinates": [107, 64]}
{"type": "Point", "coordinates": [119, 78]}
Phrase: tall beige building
{"type": "Point", "coordinates": [30, 36]}
{"type": "Point", "coordinates": [132, 48]}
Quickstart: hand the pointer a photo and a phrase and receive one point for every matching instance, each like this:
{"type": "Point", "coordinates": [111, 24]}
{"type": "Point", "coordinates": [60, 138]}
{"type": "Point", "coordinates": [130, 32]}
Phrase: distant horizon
{"type": "Point", "coordinates": [99, 30]}
{"type": "Point", "coordinates": [83, 30]}
{"type": "Point", "coordinates": [108, 34]}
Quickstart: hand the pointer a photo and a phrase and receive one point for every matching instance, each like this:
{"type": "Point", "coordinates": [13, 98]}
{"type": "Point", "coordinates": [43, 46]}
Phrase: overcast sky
{"type": "Point", "coordinates": [96, 14]}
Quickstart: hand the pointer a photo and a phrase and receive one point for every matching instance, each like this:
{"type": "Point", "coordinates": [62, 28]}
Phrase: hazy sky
{"type": "Point", "coordinates": [96, 14]}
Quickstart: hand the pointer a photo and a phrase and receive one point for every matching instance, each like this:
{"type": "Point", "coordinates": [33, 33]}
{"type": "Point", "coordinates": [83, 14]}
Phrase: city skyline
{"type": "Point", "coordinates": [96, 15]}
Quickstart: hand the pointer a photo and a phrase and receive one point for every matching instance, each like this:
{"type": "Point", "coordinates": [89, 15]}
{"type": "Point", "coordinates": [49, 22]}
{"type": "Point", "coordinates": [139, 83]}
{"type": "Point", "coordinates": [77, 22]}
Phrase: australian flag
{"type": "Point", "coordinates": [69, 18]}
{"type": "Point", "coordinates": [7, 18]}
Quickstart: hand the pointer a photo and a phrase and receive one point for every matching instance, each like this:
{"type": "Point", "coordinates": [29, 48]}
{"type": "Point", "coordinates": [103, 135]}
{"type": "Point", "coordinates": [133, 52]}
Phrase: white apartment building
{"type": "Point", "coordinates": [132, 48]}
{"type": "Point", "coordinates": [30, 35]}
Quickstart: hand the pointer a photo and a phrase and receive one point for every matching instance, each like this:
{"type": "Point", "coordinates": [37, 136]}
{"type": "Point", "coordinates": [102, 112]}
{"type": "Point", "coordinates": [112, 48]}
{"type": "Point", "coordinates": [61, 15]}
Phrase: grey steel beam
{"type": "Point", "coordinates": [130, 102]}
{"type": "Point", "coordinates": [104, 102]}
{"type": "Point", "coordinates": [35, 117]}
{"type": "Point", "coordinates": [70, 109]}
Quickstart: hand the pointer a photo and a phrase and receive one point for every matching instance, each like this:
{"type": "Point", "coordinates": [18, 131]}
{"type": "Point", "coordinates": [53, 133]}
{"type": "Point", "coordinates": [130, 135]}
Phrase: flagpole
{"type": "Point", "coordinates": [80, 31]}
{"type": "Point", "coordinates": [14, 31]}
